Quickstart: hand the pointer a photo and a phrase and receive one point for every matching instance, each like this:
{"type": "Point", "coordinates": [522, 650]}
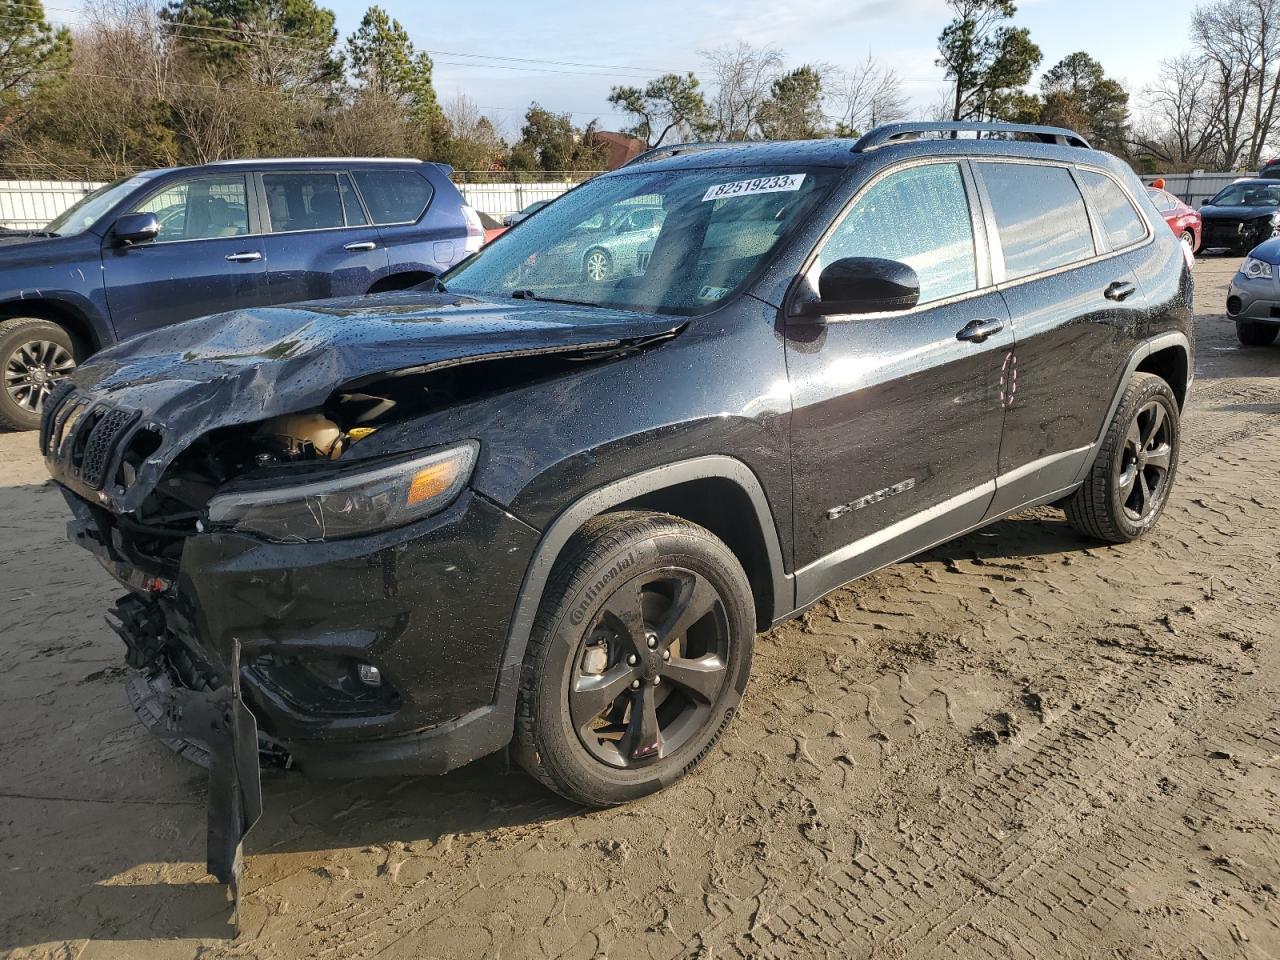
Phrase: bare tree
{"type": "Point", "coordinates": [866, 96]}
{"type": "Point", "coordinates": [1181, 116]}
{"type": "Point", "coordinates": [1239, 43]}
{"type": "Point", "coordinates": [472, 141]}
{"type": "Point", "coordinates": [743, 77]}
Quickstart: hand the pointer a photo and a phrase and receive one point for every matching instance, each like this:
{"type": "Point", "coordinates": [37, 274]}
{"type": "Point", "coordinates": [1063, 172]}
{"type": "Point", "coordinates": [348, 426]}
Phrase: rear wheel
{"type": "Point", "coordinates": [1188, 240]}
{"type": "Point", "coordinates": [35, 355]}
{"type": "Point", "coordinates": [1128, 486]}
{"type": "Point", "coordinates": [637, 661]}
{"type": "Point", "coordinates": [1253, 334]}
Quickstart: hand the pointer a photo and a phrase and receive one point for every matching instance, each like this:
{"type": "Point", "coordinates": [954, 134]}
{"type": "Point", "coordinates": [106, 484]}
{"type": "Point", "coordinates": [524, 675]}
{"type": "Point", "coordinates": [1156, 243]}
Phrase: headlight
{"type": "Point", "coordinates": [350, 503]}
{"type": "Point", "coordinates": [1256, 269]}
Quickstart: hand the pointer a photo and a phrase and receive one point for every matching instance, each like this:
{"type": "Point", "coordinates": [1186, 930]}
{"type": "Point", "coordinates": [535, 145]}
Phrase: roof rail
{"type": "Point", "coordinates": [267, 161]}
{"type": "Point", "coordinates": [896, 132]}
{"type": "Point", "coordinates": [672, 149]}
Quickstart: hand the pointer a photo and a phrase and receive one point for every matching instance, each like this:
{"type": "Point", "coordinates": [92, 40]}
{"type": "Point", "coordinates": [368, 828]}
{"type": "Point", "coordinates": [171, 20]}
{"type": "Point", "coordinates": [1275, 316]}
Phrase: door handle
{"type": "Point", "coordinates": [360, 245]}
{"type": "Point", "coordinates": [250, 256]}
{"type": "Point", "coordinates": [976, 331]}
{"type": "Point", "coordinates": [1120, 290]}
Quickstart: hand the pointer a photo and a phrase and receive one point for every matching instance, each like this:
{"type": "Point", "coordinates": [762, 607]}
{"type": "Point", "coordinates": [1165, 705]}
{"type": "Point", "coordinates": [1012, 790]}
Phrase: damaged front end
{"type": "Point", "coordinates": [301, 558]}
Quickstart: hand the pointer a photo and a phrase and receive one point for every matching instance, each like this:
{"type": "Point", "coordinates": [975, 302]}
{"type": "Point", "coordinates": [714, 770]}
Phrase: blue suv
{"type": "Point", "coordinates": [168, 245]}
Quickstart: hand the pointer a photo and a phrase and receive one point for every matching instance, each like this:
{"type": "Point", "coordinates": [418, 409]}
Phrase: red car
{"type": "Point", "coordinates": [1182, 220]}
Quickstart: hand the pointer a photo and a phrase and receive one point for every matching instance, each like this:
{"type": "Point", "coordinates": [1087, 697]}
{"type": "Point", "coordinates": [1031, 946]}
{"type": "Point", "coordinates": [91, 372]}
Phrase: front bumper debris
{"type": "Point", "coordinates": [219, 720]}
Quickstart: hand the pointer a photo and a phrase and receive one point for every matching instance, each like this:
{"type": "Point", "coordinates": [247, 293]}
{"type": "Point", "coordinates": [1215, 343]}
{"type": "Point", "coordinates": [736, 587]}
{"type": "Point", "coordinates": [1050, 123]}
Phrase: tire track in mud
{"type": "Point", "coordinates": [991, 860]}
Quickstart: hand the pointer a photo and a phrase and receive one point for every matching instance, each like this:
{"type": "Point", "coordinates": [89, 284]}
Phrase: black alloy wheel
{"type": "Point", "coordinates": [1127, 487]}
{"type": "Point", "coordinates": [1142, 470]}
{"type": "Point", "coordinates": [650, 668]}
{"type": "Point", "coordinates": [638, 658]}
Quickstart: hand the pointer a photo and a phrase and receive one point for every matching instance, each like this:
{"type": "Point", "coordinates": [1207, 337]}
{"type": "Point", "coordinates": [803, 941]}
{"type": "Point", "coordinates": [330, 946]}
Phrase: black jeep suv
{"type": "Point", "coordinates": [538, 506]}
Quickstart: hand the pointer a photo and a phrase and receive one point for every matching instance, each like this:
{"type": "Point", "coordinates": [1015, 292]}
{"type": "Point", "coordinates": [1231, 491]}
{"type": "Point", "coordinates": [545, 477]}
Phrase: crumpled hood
{"type": "Point", "coordinates": [247, 365]}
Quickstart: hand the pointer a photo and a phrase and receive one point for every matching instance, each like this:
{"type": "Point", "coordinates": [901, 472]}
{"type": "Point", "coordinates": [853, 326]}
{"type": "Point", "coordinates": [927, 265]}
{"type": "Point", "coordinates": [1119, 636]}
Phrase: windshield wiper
{"type": "Point", "coordinates": [530, 295]}
{"type": "Point", "coordinates": [8, 232]}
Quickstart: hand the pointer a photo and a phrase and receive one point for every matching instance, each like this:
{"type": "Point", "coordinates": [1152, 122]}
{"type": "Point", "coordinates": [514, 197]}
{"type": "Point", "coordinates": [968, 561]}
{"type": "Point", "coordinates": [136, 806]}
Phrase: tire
{"type": "Point", "coordinates": [1126, 490]}
{"type": "Point", "coordinates": [647, 566]}
{"type": "Point", "coordinates": [597, 265]}
{"type": "Point", "coordinates": [34, 355]}
{"type": "Point", "coordinates": [1256, 334]}
{"type": "Point", "coordinates": [1189, 239]}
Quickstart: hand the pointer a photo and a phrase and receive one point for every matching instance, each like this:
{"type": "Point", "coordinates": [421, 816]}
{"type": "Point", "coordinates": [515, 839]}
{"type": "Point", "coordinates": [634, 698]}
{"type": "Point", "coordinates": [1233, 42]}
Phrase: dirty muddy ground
{"type": "Point", "coordinates": [1020, 744]}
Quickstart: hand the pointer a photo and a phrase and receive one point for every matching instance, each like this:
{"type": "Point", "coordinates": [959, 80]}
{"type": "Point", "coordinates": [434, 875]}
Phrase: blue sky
{"type": "Point", "coordinates": [1129, 37]}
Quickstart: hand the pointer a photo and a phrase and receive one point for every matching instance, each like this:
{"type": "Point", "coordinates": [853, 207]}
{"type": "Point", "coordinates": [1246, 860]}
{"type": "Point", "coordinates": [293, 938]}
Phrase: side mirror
{"type": "Point", "coordinates": [863, 285]}
{"type": "Point", "coordinates": [136, 228]}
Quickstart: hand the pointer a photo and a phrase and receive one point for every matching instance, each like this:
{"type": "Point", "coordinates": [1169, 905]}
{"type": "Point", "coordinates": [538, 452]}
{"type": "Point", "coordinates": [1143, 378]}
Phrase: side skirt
{"type": "Point", "coordinates": [952, 518]}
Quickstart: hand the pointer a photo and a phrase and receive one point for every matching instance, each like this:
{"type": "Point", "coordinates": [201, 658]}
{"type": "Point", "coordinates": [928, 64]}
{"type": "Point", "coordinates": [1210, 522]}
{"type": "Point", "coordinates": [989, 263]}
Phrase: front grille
{"type": "Point", "coordinates": [100, 448]}
{"type": "Point", "coordinates": [84, 439]}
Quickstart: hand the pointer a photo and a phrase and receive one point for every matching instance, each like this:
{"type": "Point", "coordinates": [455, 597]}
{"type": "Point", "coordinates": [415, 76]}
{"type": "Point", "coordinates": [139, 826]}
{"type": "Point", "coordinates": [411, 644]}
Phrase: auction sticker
{"type": "Point", "coordinates": [741, 188]}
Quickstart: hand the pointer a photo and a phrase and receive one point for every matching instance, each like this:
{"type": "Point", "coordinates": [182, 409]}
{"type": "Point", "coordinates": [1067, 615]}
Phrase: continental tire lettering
{"type": "Point", "coordinates": [592, 592]}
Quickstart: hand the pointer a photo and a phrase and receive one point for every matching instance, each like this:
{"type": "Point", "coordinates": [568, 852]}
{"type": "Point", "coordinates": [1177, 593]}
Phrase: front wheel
{"type": "Point", "coordinates": [1256, 334]}
{"type": "Point", "coordinates": [1128, 486]}
{"type": "Point", "coordinates": [1188, 239]}
{"type": "Point", "coordinates": [637, 661]}
{"type": "Point", "coordinates": [35, 355]}
{"type": "Point", "coordinates": [597, 265]}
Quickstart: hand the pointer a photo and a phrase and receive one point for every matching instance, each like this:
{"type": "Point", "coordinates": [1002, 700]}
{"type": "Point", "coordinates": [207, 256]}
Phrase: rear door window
{"type": "Point", "coordinates": [302, 201]}
{"type": "Point", "coordinates": [394, 196]}
{"type": "Point", "coordinates": [1040, 216]}
{"type": "Point", "coordinates": [920, 217]}
{"type": "Point", "coordinates": [1121, 222]}
{"type": "Point", "coordinates": [201, 209]}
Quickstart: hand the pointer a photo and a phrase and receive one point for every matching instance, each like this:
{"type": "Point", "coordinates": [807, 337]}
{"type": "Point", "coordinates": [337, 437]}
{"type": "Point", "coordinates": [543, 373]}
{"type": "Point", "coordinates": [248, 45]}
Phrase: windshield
{"type": "Point", "coordinates": [1249, 195]}
{"type": "Point", "coordinates": [89, 209]}
{"type": "Point", "coordinates": [665, 241]}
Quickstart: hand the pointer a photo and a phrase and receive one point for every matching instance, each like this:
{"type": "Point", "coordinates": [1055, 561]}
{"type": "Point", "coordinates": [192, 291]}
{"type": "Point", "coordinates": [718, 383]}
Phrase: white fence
{"type": "Point", "coordinates": [499, 199]}
{"type": "Point", "coordinates": [30, 204]}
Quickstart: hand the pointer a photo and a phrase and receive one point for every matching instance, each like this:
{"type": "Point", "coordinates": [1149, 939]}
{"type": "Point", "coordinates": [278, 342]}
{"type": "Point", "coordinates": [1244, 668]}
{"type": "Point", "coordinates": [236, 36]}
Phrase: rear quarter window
{"type": "Point", "coordinates": [1040, 216]}
{"type": "Point", "coordinates": [394, 196]}
{"type": "Point", "coordinates": [1121, 222]}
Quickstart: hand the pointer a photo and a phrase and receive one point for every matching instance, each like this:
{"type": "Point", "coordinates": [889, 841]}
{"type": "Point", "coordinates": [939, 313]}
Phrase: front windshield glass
{"type": "Point", "coordinates": [1249, 195]}
{"type": "Point", "coordinates": [666, 241]}
{"type": "Point", "coordinates": [89, 209]}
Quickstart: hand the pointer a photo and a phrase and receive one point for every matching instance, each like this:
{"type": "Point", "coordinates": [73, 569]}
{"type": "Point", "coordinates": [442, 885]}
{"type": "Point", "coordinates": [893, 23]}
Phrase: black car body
{"type": "Point", "coordinates": [811, 403]}
{"type": "Point", "coordinates": [168, 245]}
{"type": "Point", "coordinates": [1241, 216]}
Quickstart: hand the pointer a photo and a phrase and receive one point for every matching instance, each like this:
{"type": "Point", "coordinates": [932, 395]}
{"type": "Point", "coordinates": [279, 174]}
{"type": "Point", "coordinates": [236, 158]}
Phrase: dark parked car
{"type": "Point", "coordinates": [511, 219]}
{"type": "Point", "coordinates": [1242, 215]}
{"type": "Point", "coordinates": [545, 511]}
{"type": "Point", "coordinates": [1184, 221]}
{"type": "Point", "coordinates": [1271, 170]}
{"type": "Point", "coordinates": [1253, 301]}
{"type": "Point", "coordinates": [168, 245]}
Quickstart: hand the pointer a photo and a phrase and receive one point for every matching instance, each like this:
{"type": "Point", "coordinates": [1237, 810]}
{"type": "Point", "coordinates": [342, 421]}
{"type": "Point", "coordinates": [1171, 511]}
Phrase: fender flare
{"type": "Point", "coordinates": [611, 495]}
